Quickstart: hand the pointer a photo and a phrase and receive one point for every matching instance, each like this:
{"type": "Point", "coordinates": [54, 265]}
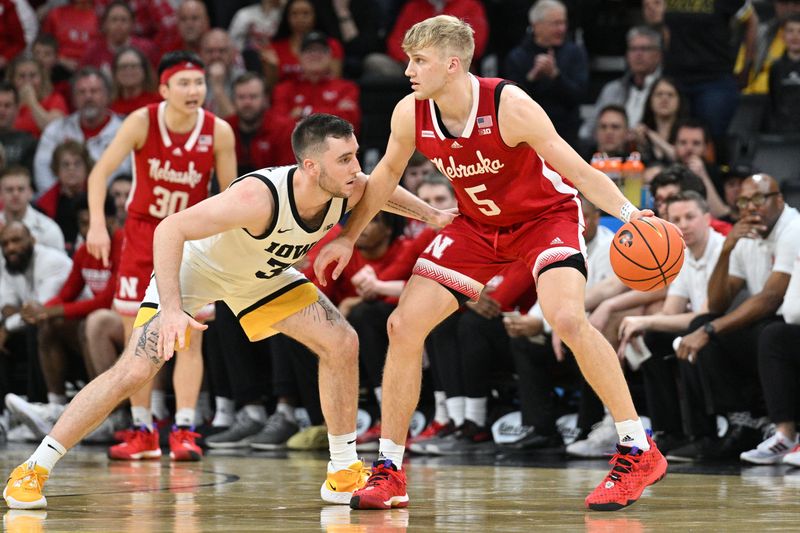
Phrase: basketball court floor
{"type": "Point", "coordinates": [280, 492]}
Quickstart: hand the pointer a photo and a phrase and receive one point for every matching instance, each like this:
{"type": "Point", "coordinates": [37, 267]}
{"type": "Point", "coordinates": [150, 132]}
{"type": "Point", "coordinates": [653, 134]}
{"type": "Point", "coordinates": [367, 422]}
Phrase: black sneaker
{"type": "Point", "coordinates": [668, 442]}
{"type": "Point", "coordinates": [701, 449]}
{"type": "Point", "coordinates": [275, 434]}
{"type": "Point", "coordinates": [531, 440]}
{"type": "Point", "coordinates": [467, 439]}
{"type": "Point", "coordinates": [739, 439]}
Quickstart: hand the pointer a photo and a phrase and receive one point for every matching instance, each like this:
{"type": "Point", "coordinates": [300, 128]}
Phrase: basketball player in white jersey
{"type": "Point", "coordinates": [239, 247]}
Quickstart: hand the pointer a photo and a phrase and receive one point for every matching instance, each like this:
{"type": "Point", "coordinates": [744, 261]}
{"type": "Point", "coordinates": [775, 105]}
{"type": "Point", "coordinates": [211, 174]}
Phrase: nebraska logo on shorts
{"type": "Point", "coordinates": [438, 245]}
{"type": "Point", "coordinates": [128, 287]}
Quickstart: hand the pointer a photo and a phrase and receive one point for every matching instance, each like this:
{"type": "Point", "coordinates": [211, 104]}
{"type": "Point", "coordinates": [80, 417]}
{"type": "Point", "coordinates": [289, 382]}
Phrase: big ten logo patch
{"type": "Point", "coordinates": [438, 245]}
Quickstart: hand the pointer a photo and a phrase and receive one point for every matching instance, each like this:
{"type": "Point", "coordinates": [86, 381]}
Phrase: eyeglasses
{"type": "Point", "coordinates": [757, 199]}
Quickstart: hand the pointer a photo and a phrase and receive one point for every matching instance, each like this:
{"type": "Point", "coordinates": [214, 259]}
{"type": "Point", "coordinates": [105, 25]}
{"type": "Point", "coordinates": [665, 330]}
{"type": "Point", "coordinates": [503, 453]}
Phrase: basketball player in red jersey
{"type": "Point", "coordinates": [509, 169]}
{"type": "Point", "coordinates": [176, 145]}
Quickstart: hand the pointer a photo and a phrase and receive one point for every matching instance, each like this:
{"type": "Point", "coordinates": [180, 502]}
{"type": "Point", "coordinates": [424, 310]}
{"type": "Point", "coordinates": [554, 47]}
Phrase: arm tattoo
{"type": "Point", "coordinates": [413, 213]}
{"type": "Point", "coordinates": [147, 345]}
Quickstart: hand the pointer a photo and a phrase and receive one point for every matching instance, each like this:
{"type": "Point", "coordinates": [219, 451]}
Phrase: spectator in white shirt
{"type": "Point", "coordinates": [16, 193]}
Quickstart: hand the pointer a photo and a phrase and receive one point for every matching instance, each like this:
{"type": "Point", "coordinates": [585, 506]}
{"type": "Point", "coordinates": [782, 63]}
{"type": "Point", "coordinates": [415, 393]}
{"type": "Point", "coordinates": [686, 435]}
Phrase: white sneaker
{"type": "Point", "coordinates": [771, 451]}
{"type": "Point", "coordinates": [21, 433]}
{"type": "Point", "coordinates": [600, 442]}
{"type": "Point", "coordinates": [39, 417]}
{"type": "Point", "coordinates": [793, 457]}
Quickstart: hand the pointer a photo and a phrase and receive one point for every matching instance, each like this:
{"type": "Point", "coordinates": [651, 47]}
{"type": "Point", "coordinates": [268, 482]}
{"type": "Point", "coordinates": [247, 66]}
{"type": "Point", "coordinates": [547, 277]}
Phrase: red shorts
{"type": "Point", "coordinates": [466, 254]}
{"type": "Point", "coordinates": [136, 265]}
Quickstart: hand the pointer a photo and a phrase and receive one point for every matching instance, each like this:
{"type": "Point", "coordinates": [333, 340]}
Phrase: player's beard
{"type": "Point", "coordinates": [329, 185]}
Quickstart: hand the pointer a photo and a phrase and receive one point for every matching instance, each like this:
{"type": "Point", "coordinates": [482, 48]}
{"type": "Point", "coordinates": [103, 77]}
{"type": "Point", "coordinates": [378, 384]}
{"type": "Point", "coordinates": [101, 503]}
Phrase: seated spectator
{"type": "Point", "coordinates": [116, 26]}
{"type": "Point", "coordinates": [692, 144]}
{"type": "Point", "coordinates": [16, 194]}
{"type": "Point", "coordinates": [263, 138]}
{"type": "Point", "coordinates": [254, 26]}
{"type": "Point", "coordinates": [655, 135]}
{"type": "Point", "coordinates": [153, 20]}
{"type": "Point", "coordinates": [732, 177]}
{"type": "Point", "coordinates": [358, 27]}
{"type": "Point", "coordinates": [317, 89]}
{"type": "Point", "coordinates": [686, 299]}
{"type": "Point", "coordinates": [40, 104]}
{"type": "Point", "coordinates": [778, 370]}
{"type": "Point", "coordinates": [419, 167]}
{"type": "Point", "coordinates": [553, 70]}
{"type": "Point", "coordinates": [413, 11]}
{"type": "Point", "coordinates": [784, 82]}
{"type": "Point", "coordinates": [611, 132]}
{"type": "Point", "coordinates": [92, 123]}
{"type": "Point", "coordinates": [223, 66]}
{"type": "Point", "coordinates": [758, 254]}
{"type": "Point", "coordinates": [653, 14]}
{"type": "Point", "coordinates": [119, 190]}
{"type": "Point", "coordinates": [193, 23]}
{"type": "Point", "coordinates": [71, 165]}
{"type": "Point", "coordinates": [12, 38]}
{"type": "Point", "coordinates": [45, 50]}
{"type": "Point", "coordinates": [74, 26]}
{"type": "Point", "coordinates": [670, 181]}
{"type": "Point", "coordinates": [281, 59]}
{"type": "Point", "coordinates": [18, 146]}
{"type": "Point", "coordinates": [32, 273]}
{"type": "Point", "coordinates": [643, 58]}
{"type": "Point", "coordinates": [61, 320]}
{"type": "Point", "coordinates": [134, 82]}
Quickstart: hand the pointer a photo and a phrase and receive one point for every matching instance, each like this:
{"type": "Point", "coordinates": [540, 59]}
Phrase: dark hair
{"type": "Point", "coordinates": [8, 87]}
{"type": "Point", "coordinates": [616, 108]}
{"type": "Point", "coordinates": [247, 77]}
{"type": "Point", "coordinates": [315, 130]}
{"type": "Point", "coordinates": [649, 118]}
{"type": "Point", "coordinates": [170, 59]}
{"type": "Point", "coordinates": [46, 87]}
{"type": "Point", "coordinates": [395, 223]}
{"type": "Point", "coordinates": [284, 30]}
{"type": "Point", "coordinates": [71, 146]}
{"type": "Point", "coordinates": [694, 124]}
{"type": "Point", "coordinates": [112, 5]}
{"type": "Point", "coordinates": [81, 203]}
{"type": "Point", "coordinates": [417, 159]}
{"type": "Point", "coordinates": [679, 175]}
{"type": "Point", "coordinates": [436, 178]}
{"type": "Point", "coordinates": [46, 39]}
{"type": "Point", "coordinates": [87, 72]}
{"type": "Point", "coordinates": [16, 170]}
{"type": "Point", "coordinates": [149, 84]}
{"type": "Point", "coordinates": [690, 196]}
{"type": "Point", "coordinates": [794, 17]}
{"type": "Point", "coordinates": [121, 177]}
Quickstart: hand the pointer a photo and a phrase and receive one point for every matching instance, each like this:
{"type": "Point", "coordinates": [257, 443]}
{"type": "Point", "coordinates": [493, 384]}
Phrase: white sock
{"type": "Point", "coordinates": [142, 416]}
{"type": "Point", "coordinates": [60, 399]}
{"type": "Point", "coordinates": [256, 412]}
{"type": "Point", "coordinates": [184, 417]}
{"type": "Point", "coordinates": [343, 450]}
{"type": "Point", "coordinates": [440, 415]}
{"type": "Point", "coordinates": [224, 412]}
{"type": "Point", "coordinates": [378, 394]}
{"type": "Point", "coordinates": [158, 404]}
{"type": "Point", "coordinates": [475, 410]}
{"type": "Point", "coordinates": [47, 454]}
{"type": "Point", "coordinates": [388, 449]}
{"type": "Point", "coordinates": [287, 411]}
{"type": "Point", "coordinates": [631, 433]}
{"type": "Point", "coordinates": [455, 408]}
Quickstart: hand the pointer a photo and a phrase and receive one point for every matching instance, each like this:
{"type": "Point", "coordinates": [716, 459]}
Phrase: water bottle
{"type": "Point", "coordinates": [632, 170]}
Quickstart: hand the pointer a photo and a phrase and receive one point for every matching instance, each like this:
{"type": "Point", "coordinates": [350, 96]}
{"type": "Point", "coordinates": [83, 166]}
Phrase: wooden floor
{"type": "Point", "coordinates": [281, 493]}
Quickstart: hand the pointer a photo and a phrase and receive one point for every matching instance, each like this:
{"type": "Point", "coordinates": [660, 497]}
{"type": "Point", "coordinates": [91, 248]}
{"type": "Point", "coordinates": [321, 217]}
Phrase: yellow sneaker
{"type": "Point", "coordinates": [24, 521]}
{"type": "Point", "coordinates": [24, 488]}
{"type": "Point", "coordinates": [340, 484]}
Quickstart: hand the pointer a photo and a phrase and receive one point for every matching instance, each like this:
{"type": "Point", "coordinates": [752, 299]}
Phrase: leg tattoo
{"type": "Point", "coordinates": [147, 345]}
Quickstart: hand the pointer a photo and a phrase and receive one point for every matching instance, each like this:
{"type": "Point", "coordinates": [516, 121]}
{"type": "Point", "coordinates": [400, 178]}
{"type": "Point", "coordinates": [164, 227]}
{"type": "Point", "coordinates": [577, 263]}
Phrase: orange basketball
{"type": "Point", "coordinates": [647, 254]}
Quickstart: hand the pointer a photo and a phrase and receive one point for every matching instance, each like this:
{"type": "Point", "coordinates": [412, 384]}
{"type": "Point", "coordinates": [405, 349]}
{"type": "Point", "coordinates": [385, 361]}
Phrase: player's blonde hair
{"type": "Point", "coordinates": [449, 34]}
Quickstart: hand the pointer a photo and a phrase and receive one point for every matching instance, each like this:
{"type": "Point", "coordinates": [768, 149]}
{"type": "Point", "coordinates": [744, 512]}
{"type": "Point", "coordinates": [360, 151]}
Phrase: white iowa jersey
{"type": "Point", "coordinates": [237, 258]}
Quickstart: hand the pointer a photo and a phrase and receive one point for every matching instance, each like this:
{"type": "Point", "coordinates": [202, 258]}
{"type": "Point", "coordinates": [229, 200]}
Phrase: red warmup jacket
{"type": "Point", "coordinates": [269, 146]}
{"type": "Point", "coordinates": [86, 270]}
{"type": "Point", "coordinates": [418, 10]}
{"type": "Point", "coordinates": [331, 95]}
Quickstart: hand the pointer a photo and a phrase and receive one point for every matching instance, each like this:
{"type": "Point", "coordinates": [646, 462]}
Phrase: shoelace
{"type": "Point", "coordinates": [30, 481]}
{"type": "Point", "coordinates": [379, 473]}
{"type": "Point", "coordinates": [623, 464]}
{"type": "Point", "coordinates": [186, 435]}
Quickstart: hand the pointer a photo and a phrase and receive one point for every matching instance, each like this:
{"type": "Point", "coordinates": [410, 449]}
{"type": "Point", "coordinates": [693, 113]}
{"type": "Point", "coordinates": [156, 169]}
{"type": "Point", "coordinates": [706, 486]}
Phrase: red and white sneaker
{"type": "Point", "coordinates": [631, 472]}
{"type": "Point", "coordinates": [138, 444]}
{"type": "Point", "coordinates": [182, 445]}
{"type": "Point", "coordinates": [385, 488]}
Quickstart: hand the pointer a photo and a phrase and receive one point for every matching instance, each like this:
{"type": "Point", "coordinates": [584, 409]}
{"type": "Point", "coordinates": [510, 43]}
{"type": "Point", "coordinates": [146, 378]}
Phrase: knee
{"type": "Point", "coordinates": [341, 347]}
{"type": "Point", "coordinates": [100, 321]}
{"type": "Point", "coordinates": [568, 325]}
{"type": "Point", "coordinates": [396, 326]}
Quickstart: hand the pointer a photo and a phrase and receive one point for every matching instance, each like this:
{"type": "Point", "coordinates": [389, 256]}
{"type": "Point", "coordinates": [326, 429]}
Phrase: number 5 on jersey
{"type": "Point", "coordinates": [490, 209]}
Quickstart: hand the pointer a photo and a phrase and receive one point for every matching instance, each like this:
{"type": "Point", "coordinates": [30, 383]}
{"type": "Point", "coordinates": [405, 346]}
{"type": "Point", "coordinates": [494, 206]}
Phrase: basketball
{"type": "Point", "coordinates": [647, 254]}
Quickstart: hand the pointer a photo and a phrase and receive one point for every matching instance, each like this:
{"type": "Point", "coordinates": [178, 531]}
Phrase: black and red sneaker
{"type": "Point", "coordinates": [385, 488]}
{"type": "Point", "coordinates": [632, 471]}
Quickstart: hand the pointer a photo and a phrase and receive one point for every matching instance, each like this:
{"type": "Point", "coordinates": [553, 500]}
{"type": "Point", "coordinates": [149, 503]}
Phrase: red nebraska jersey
{"type": "Point", "coordinates": [171, 171]}
{"type": "Point", "coordinates": [494, 183]}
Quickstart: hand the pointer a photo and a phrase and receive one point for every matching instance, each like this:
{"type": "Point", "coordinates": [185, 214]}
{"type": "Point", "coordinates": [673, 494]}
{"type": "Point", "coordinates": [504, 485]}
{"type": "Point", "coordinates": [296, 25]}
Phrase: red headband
{"type": "Point", "coordinates": [168, 73]}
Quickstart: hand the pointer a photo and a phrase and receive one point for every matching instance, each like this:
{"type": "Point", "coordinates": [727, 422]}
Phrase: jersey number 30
{"type": "Point", "coordinates": [490, 208]}
{"type": "Point", "coordinates": [168, 202]}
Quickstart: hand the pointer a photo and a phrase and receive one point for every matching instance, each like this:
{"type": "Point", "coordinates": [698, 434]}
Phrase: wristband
{"type": "Point", "coordinates": [626, 211]}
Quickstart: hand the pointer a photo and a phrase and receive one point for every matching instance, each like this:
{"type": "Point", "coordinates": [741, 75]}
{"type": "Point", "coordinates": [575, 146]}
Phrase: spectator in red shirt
{"type": "Point", "coordinates": [71, 164]}
{"type": "Point", "coordinates": [117, 26]}
{"type": "Point", "coordinates": [74, 26]}
{"type": "Point", "coordinates": [193, 23]}
{"type": "Point", "coordinates": [153, 20]}
{"type": "Point", "coordinates": [40, 104]}
{"type": "Point", "coordinates": [133, 80]}
{"type": "Point", "coordinates": [44, 49]}
{"type": "Point", "coordinates": [263, 138]}
{"type": "Point", "coordinates": [12, 38]}
{"type": "Point", "coordinates": [282, 60]}
{"type": "Point", "coordinates": [318, 89]}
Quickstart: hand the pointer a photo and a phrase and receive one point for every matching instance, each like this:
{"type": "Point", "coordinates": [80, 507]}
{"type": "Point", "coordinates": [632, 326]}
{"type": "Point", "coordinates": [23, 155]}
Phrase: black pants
{"type": "Point", "coordinates": [445, 357]}
{"type": "Point", "coordinates": [20, 371]}
{"type": "Point", "coordinates": [484, 345]}
{"type": "Point", "coordinates": [779, 367]}
{"type": "Point", "coordinates": [295, 371]}
{"type": "Point", "coordinates": [238, 367]}
{"type": "Point", "coordinates": [660, 377]}
{"type": "Point", "coordinates": [369, 321]}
